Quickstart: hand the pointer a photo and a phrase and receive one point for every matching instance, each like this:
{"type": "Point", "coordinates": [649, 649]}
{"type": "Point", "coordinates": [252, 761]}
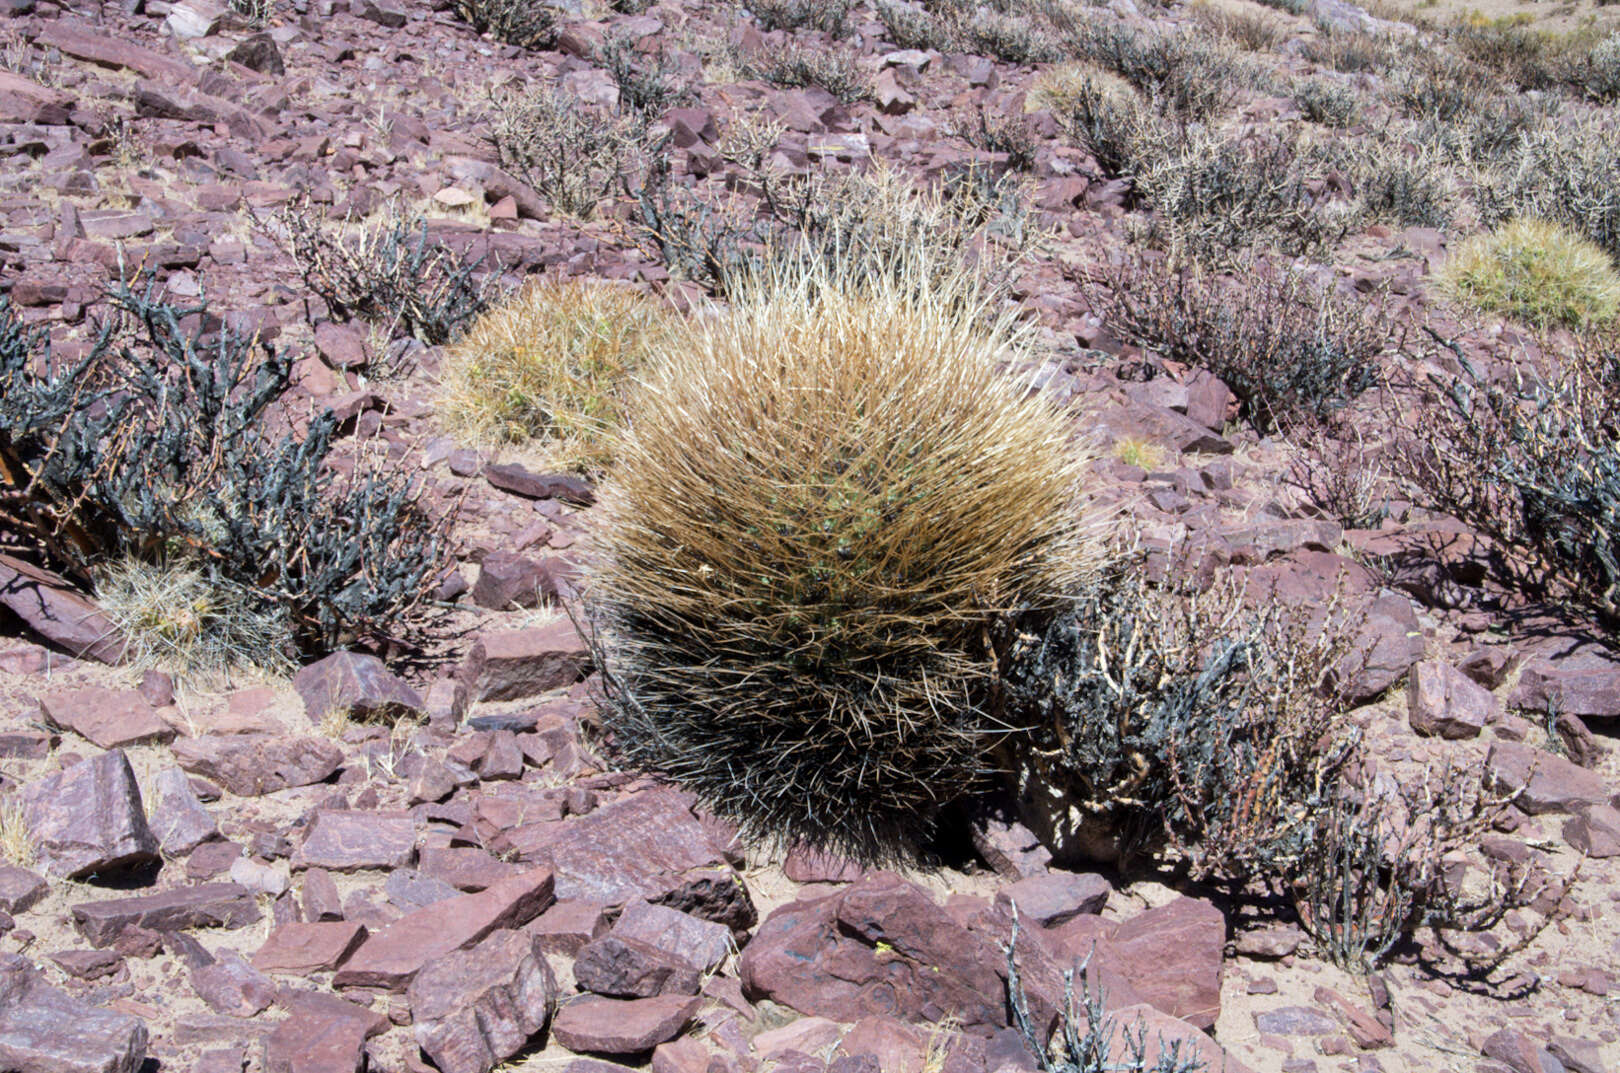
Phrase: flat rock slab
{"type": "Point", "coordinates": [513, 478]}
{"type": "Point", "coordinates": [1057, 897]}
{"type": "Point", "coordinates": [25, 101]}
{"type": "Point", "coordinates": [475, 1008]}
{"type": "Point", "coordinates": [1173, 955]}
{"type": "Point", "coordinates": [52, 609]}
{"type": "Point", "coordinates": [467, 868]}
{"type": "Point", "coordinates": [322, 1034]}
{"type": "Point", "coordinates": [20, 889]}
{"type": "Point", "coordinates": [628, 968]}
{"type": "Point", "coordinates": [250, 765]}
{"type": "Point", "coordinates": [209, 905]}
{"type": "Point", "coordinates": [881, 947]}
{"type": "Point", "coordinates": [622, 1026]}
{"type": "Point", "coordinates": [107, 718]}
{"type": "Point", "coordinates": [514, 664]}
{"type": "Point", "coordinates": [1544, 782]}
{"type": "Point", "coordinates": [1443, 701]}
{"type": "Point", "coordinates": [302, 948]}
{"type": "Point", "coordinates": [391, 957]}
{"type": "Point", "coordinates": [343, 840]}
{"type": "Point", "coordinates": [88, 817]}
{"type": "Point", "coordinates": [1583, 682]}
{"type": "Point", "coordinates": [43, 1030]}
{"type": "Point", "coordinates": [648, 846]}
{"type": "Point", "coordinates": [96, 46]}
{"type": "Point", "coordinates": [567, 926]}
{"type": "Point", "coordinates": [358, 683]}
{"type": "Point", "coordinates": [179, 819]}
{"type": "Point", "coordinates": [701, 944]}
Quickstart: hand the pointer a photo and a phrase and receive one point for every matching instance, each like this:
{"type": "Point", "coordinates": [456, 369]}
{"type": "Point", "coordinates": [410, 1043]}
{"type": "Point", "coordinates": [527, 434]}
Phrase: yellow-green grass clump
{"type": "Point", "coordinates": [1538, 272]}
{"type": "Point", "coordinates": [825, 499]}
{"type": "Point", "coordinates": [550, 365]}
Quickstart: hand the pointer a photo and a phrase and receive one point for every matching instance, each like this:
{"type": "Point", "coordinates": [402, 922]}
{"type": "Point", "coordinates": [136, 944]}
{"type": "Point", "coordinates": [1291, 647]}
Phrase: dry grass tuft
{"type": "Point", "coordinates": [1139, 452]}
{"type": "Point", "coordinates": [551, 363]}
{"type": "Point", "coordinates": [1537, 271]}
{"type": "Point", "coordinates": [824, 499]}
{"type": "Point", "coordinates": [16, 841]}
{"type": "Point", "coordinates": [178, 620]}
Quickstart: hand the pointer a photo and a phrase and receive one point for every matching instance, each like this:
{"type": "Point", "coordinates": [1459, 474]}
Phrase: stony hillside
{"type": "Point", "coordinates": [1327, 294]}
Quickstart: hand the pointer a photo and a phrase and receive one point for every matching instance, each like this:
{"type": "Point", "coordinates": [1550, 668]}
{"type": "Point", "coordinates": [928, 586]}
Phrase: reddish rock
{"type": "Point", "coordinates": [1172, 956]}
{"type": "Point", "coordinates": [87, 43]}
{"type": "Point", "coordinates": [701, 944]}
{"type": "Point", "coordinates": [231, 986]}
{"type": "Point", "coordinates": [107, 718]}
{"type": "Point", "coordinates": [1163, 1034]}
{"type": "Point", "coordinates": [1544, 782]}
{"type": "Point", "coordinates": [467, 868]}
{"type": "Point", "coordinates": [44, 1030]}
{"type": "Point", "coordinates": [627, 968]}
{"type": "Point", "coordinates": [879, 947]}
{"type": "Point", "coordinates": [1441, 700]}
{"type": "Point", "coordinates": [193, 106]}
{"type": "Point", "coordinates": [569, 925]}
{"type": "Point", "coordinates": [88, 964]}
{"type": "Point", "coordinates": [343, 840]}
{"type": "Point", "coordinates": [507, 580]}
{"type": "Point", "coordinates": [20, 889]}
{"type": "Point", "coordinates": [511, 477]}
{"type": "Point", "coordinates": [1578, 1055]}
{"type": "Point", "coordinates": [321, 899]}
{"type": "Point", "coordinates": [1056, 897]}
{"type": "Point", "coordinates": [1584, 681]}
{"type": "Point", "coordinates": [1387, 642]}
{"type": "Point", "coordinates": [391, 957]}
{"type": "Point", "coordinates": [1365, 1030]}
{"type": "Point", "coordinates": [179, 820]}
{"type": "Point", "coordinates": [54, 611]}
{"type": "Point", "coordinates": [358, 683]}
{"type": "Point", "coordinates": [88, 817]}
{"type": "Point", "coordinates": [25, 101]}
{"type": "Point", "coordinates": [1270, 942]}
{"type": "Point", "coordinates": [475, 1008]}
{"type": "Point", "coordinates": [341, 345]}
{"type": "Point", "coordinates": [249, 765]}
{"type": "Point", "coordinates": [514, 664]}
{"type": "Point", "coordinates": [1011, 849]}
{"type": "Point", "coordinates": [622, 1026]}
{"type": "Point", "coordinates": [649, 846]}
{"type": "Point", "coordinates": [1295, 1021]}
{"type": "Point", "coordinates": [210, 905]}
{"type": "Point", "coordinates": [315, 947]}
{"type": "Point", "coordinates": [258, 52]}
{"type": "Point", "coordinates": [1595, 831]}
{"type": "Point", "coordinates": [1516, 1051]}
{"type": "Point", "coordinates": [322, 1034]}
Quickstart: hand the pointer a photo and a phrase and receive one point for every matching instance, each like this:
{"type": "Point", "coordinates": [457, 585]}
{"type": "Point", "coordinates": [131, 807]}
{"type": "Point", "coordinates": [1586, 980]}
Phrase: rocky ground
{"type": "Point", "coordinates": [352, 869]}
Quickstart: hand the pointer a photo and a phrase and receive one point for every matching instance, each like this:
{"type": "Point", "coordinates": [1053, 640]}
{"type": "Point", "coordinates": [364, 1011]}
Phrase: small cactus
{"type": "Point", "coordinates": [825, 498]}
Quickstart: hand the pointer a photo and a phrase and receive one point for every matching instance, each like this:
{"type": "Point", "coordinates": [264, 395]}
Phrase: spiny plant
{"type": "Point", "coordinates": [387, 271]}
{"type": "Point", "coordinates": [158, 443]}
{"type": "Point", "coordinates": [1536, 271]}
{"type": "Point", "coordinates": [1167, 719]}
{"type": "Point", "coordinates": [1531, 460]}
{"type": "Point", "coordinates": [1288, 348]}
{"type": "Point", "coordinates": [551, 363]}
{"type": "Point", "coordinates": [823, 499]}
{"type": "Point", "coordinates": [1102, 1043]}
